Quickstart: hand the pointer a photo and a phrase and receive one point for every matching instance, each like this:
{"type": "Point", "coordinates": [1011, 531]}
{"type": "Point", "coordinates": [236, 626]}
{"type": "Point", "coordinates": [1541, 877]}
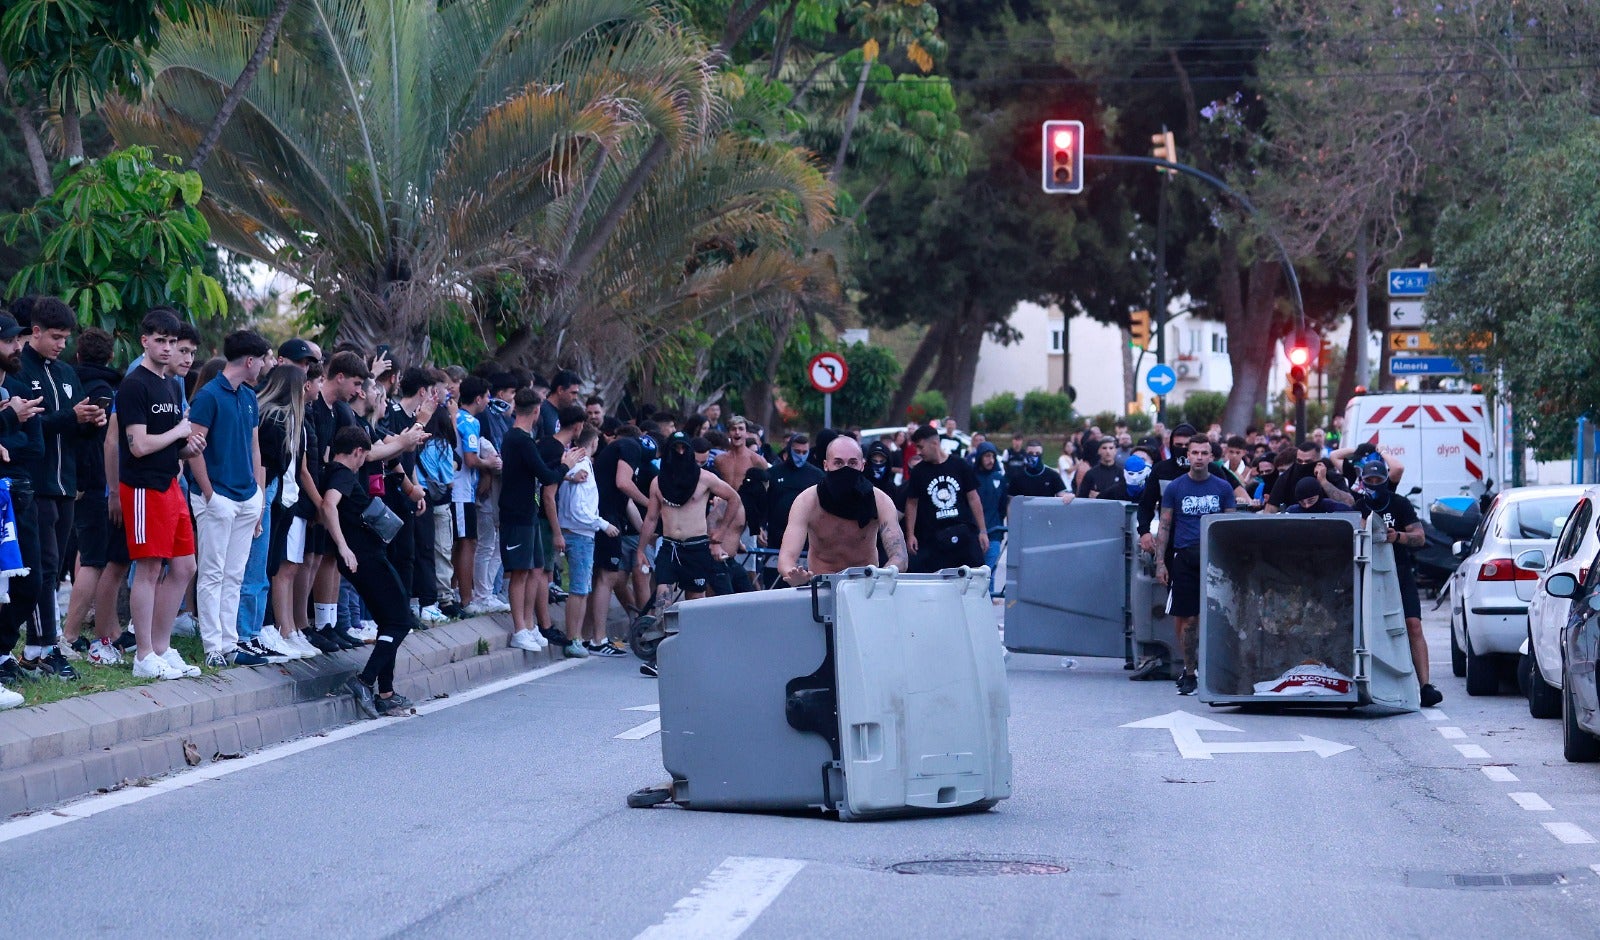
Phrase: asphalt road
{"type": "Point", "coordinates": [505, 814]}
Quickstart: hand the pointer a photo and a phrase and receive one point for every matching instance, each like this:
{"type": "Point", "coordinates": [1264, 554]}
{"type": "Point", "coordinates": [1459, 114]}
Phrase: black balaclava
{"type": "Point", "coordinates": [848, 494]}
{"type": "Point", "coordinates": [880, 474]}
{"type": "Point", "coordinates": [680, 471]}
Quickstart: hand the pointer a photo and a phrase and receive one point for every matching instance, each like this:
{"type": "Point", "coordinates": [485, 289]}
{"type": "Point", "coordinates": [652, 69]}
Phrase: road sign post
{"type": "Point", "coordinates": [827, 373]}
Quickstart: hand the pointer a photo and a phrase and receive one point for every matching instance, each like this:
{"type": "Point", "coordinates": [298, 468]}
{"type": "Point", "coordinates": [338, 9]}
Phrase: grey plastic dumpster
{"type": "Point", "coordinates": [1077, 584]}
{"type": "Point", "coordinates": [871, 693]}
{"type": "Point", "coordinates": [1283, 592]}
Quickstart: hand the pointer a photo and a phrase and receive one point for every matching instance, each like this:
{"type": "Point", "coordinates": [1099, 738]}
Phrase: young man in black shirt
{"type": "Point", "coordinates": [615, 468]}
{"type": "Point", "coordinates": [1034, 478]}
{"type": "Point", "coordinates": [1403, 529]}
{"type": "Point", "coordinates": [22, 440]}
{"type": "Point", "coordinates": [525, 472]}
{"type": "Point", "coordinates": [944, 516]}
{"type": "Point", "coordinates": [1104, 479]}
{"type": "Point", "coordinates": [362, 559]}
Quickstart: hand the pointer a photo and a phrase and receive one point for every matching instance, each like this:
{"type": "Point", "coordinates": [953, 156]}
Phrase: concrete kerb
{"type": "Point", "coordinates": [67, 749]}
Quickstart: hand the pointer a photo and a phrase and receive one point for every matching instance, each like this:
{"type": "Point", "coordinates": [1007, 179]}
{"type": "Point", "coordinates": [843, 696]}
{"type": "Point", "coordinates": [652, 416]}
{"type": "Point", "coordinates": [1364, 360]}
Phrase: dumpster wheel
{"type": "Point", "coordinates": [644, 636]}
{"type": "Point", "coordinates": [650, 796]}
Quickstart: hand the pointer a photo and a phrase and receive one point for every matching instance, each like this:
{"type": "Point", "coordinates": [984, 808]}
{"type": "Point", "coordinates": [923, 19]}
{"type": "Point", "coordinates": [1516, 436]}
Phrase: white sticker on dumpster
{"type": "Point", "coordinates": [1308, 678]}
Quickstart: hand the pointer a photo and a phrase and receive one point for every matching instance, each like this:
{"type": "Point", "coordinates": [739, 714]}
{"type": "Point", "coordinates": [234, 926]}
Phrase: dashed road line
{"type": "Point", "coordinates": [640, 732]}
{"type": "Point", "coordinates": [1433, 714]}
{"type": "Point", "coordinates": [1451, 733]}
{"type": "Point", "coordinates": [1472, 752]}
{"type": "Point", "coordinates": [1499, 774]}
{"type": "Point", "coordinates": [1569, 833]}
{"type": "Point", "coordinates": [1532, 802]}
{"type": "Point", "coordinates": [730, 899]}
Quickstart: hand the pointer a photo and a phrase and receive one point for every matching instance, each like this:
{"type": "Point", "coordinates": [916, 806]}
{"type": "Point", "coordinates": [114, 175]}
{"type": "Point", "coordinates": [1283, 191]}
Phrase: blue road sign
{"type": "Point", "coordinates": [1409, 282]}
{"type": "Point", "coordinates": [1432, 365]}
{"type": "Point", "coordinates": [1161, 379]}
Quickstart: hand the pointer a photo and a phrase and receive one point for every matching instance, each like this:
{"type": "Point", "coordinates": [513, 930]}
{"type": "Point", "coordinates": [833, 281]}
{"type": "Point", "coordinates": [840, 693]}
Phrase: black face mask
{"type": "Point", "coordinates": [878, 471]}
{"type": "Point", "coordinates": [1377, 496]}
{"type": "Point", "coordinates": [846, 493]}
{"type": "Point", "coordinates": [1033, 463]}
{"type": "Point", "coordinates": [680, 476]}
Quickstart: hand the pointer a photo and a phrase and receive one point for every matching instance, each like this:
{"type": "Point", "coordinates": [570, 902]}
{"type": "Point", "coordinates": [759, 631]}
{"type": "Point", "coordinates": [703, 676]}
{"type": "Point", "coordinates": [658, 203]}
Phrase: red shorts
{"type": "Point", "coordinates": [157, 522]}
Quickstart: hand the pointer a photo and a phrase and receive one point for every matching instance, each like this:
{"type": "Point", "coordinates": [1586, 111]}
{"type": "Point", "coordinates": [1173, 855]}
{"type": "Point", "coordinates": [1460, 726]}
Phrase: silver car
{"type": "Point", "coordinates": [1574, 553]}
{"type": "Point", "coordinates": [1489, 592]}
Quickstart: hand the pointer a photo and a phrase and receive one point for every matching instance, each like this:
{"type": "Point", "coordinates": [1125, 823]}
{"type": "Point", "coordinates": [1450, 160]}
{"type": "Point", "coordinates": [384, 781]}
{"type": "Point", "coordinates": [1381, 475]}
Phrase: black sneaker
{"type": "Point", "coordinates": [346, 640]}
{"type": "Point", "coordinates": [550, 634]}
{"type": "Point", "coordinates": [649, 669]}
{"type": "Point", "coordinates": [254, 647]}
{"type": "Point", "coordinates": [52, 665]}
{"type": "Point", "coordinates": [557, 596]}
{"type": "Point", "coordinates": [1431, 696]}
{"type": "Point", "coordinates": [320, 640]}
{"type": "Point", "coordinates": [395, 704]}
{"type": "Point", "coordinates": [606, 649]}
{"type": "Point", "coordinates": [126, 641]}
{"type": "Point", "coordinates": [453, 611]}
{"type": "Point", "coordinates": [11, 672]}
{"type": "Point", "coordinates": [81, 646]}
{"type": "Point", "coordinates": [1187, 684]}
{"type": "Point", "coordinates": [366, 702]}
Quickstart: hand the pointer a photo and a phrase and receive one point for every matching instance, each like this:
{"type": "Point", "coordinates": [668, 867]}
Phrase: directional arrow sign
{"type": "Point", "coordinates": [1409, 282]}
{"type": "Point", "coordinates": [1161, 379]}
{"type": "Point", "coordinates": [1185, 729]}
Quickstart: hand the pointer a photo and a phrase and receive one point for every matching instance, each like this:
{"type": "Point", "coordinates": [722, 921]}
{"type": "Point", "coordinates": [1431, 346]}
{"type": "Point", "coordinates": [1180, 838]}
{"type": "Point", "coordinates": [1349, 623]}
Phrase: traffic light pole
{"type": "Point", "coordinates": [1159, 303]}
{"type": "Point", "coordinates": [1187, 170]}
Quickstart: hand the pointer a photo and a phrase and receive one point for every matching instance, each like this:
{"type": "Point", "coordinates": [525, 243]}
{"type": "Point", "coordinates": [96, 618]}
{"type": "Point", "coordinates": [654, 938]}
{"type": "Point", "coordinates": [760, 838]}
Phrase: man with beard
{"type": "Point", "coordinates": [1184, 503]}
{"type": "Point", "coordinates": [1403, 529]}
{"type": "Point", "coordinates": [1170, 469]}
{"type": "Point", "coordinates": [943, 512]}
{"type": "Point", "coordinates": [844, 519]}
{"type": "Point", "coordinates": [688, 556]}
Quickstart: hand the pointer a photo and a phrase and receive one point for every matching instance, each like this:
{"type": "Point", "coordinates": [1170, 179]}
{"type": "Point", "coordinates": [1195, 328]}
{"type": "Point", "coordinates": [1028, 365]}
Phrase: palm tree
{"type": "Point", "coordinates": [393, 155]}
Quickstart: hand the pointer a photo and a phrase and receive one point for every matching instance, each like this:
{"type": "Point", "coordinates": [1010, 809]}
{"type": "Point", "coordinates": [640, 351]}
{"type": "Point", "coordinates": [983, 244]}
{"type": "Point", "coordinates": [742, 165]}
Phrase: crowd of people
{"type": "Point", "coordinates": [291, 504]}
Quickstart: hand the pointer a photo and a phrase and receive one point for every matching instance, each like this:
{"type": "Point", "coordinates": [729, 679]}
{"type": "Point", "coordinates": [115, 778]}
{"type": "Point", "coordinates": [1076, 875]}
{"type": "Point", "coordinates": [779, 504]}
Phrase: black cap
{"type": "Point", "coordinates": [1183, 430]}
{"type": "Point", "coordinates": [8, 326]}
{"type": "Point", "coordinates": [297, 350]}
{"type": "Point", "coordinates": [1307, 488]}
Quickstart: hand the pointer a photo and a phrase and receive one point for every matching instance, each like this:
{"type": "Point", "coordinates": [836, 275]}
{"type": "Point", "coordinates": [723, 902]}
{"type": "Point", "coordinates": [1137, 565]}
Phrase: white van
{"type": "Point", "coordinates": [1445, 440]}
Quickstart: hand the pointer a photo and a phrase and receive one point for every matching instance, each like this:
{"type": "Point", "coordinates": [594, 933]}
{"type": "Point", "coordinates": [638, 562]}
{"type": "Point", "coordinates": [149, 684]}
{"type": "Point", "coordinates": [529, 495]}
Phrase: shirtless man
{"type": "Point", "coordinates": [844, 518]}
{"type": "Point", "coordinates": [689, 555]}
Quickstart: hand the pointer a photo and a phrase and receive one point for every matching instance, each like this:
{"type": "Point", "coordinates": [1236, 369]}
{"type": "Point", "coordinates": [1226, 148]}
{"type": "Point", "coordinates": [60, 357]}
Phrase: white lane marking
{"type": "Point", "coordinates": [1433, 714]}
{"type": "Point", "coordinates": [94, 805]}
{"type": "Point", "coordinates": [1451, 734]}
{"type": "Point", "coordinates": [1595, 869]}
{"type": "Point", "coordinates": [1499, 774]}
{"type": "Point", "coordinates": [1532, 802]}
{"type": "Point", "coordinates": [730, 899]}
{"type": "Point", "coordinates": [1185, 729]}
{"type": "Point", "coordinates": [640, 732]}
{"type": "Point", "coordinates": [644, 708]}
{"type": "Point", "coordinates": [1569, 833]}
{"type": "Point", "coordinates": [1472, 752]}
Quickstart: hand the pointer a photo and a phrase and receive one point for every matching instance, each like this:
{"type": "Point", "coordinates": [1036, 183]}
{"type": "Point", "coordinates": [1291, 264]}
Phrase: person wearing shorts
{"type": "Point", "coordinates": [153, 436]}
{"type": "Point", "coordinates": [687, 564]}
{"type": "Point", "coordinates": [579, 515]}
{"type": "Point", "coordinates": [1185, 501]}
{"type": "Point", "coordinates": [92, 517]}
{"type": "Point", "coordinates": [521, 551]}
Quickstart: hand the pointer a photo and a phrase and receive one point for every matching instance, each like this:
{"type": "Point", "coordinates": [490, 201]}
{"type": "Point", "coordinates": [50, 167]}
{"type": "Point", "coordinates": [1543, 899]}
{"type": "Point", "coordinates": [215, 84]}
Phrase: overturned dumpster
{"type": "Point", "coordinates": [1302, 610]}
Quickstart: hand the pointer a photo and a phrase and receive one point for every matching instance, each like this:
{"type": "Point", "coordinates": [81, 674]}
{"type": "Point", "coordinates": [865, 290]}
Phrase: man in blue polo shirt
{"type": "Point", "coordinates": [228, 496]}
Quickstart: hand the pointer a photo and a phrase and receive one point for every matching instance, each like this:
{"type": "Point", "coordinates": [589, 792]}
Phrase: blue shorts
{"type": "Point", "coordinates": [580, 562]}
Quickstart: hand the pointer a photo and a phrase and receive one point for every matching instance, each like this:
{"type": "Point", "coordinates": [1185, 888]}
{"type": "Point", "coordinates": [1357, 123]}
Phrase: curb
{"type": "Point", "coordinates": [63, 750]}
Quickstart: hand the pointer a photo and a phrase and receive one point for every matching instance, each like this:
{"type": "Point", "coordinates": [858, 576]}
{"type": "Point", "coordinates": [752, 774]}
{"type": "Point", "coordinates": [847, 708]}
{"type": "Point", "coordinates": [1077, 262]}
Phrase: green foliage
{"type": "Point", "coordinates": [77, 52]}
{"type": "Point", "coordinates": [452, 338]}
{"type": "Point", "coordinates": [874, 374]}
{"type": "Point", "coordinates": [1139, 423]}
{"type": "Point", "coordinates": [927, 406]}
{"type": "Point", "coordinates": [996, 414]}
{"type": "Point", "coordinates": [1203, 409]}
{"type": "Point", "coordinates": [1046, 411]}
{"type": "Point", "coordinates": [120, 235]}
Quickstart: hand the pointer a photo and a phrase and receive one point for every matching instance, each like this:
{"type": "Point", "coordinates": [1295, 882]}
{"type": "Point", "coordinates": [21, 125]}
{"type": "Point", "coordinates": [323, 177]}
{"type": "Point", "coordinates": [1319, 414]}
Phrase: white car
{"type": "Point", "coordinates": [1574, 552]}
{"type": "Point", "coordinates": [1489, 593]}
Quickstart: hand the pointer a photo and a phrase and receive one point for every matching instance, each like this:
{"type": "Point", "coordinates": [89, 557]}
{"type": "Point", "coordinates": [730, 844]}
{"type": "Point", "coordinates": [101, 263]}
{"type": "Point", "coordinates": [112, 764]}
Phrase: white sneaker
{"type": "Point", "coordinates": [8, 698]}
{"type": "Point", "coordinates": [476, 609]}
{"type": "Point", "coordinates": [493, 605]}
{"type": "Point", "coordinates": [186, 625]}
{"type": "Point", "coordinates": [154, 667]}
{"type": "Point", "coordinates": [274, 642]}
{"type": "Point", "coordinates": [180, 667]}
{"type": "Point", "coordinates": [102, 653]}
{"type": "Point", "coordinates": [432, 614]}
{"type": "Point", "coordinates": [368, 632]}
{"type": "Point", "coordinates": [297, 642]}
{"type": "Point", "coordinates": [527, 640]}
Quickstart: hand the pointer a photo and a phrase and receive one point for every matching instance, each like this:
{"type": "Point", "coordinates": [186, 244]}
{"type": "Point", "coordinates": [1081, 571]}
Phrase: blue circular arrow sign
{"type": "Point", "coordinates": [1161, 379]}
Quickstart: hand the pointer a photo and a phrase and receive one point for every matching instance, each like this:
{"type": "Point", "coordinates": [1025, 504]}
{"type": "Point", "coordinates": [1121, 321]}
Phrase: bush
{"type": "Point", "coordinates": [874, 373]}
{"type": "Point", "coordinates": [1140, 423]}
{"type": "Point", "coordinates": [1046, 411]}
{"type": "Point", "coordinates": [928, 406]}
{"type": "Point", "coordinates": [996, 414]}
{"type": "Point", "coordinates": [1202, 409]}
{"type": "Point", "coordinates": [1105, 421]}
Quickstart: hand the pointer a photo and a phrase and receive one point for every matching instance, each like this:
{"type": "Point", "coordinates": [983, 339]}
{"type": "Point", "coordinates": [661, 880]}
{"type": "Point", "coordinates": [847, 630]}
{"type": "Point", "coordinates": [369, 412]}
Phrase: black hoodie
{"type": "Point", "coordinates": [98, 382]}
{"type": "Point", "coordinates": [55, 473]}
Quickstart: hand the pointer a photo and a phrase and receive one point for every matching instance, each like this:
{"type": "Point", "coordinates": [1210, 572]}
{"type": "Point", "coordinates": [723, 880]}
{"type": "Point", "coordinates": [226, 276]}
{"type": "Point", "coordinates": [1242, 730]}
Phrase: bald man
{"type": "Point", "coordinates": [844, 519]}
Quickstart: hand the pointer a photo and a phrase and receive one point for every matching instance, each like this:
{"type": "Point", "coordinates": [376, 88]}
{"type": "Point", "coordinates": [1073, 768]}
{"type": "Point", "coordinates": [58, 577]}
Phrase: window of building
{"type": "Point", "coordinates": [1219, 343]}
{"type": "Point", "coordinates": [1057, 339]}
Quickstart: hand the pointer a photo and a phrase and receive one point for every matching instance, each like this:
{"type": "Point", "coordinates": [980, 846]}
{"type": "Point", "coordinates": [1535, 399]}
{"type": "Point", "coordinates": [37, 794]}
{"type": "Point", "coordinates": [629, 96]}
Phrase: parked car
{"type": "Point", "coordinates": [1580, 699]}
{"type": "Point", "coordinates": [1575, 551]}
{"type": "Point", "coordinates": [1489, 593]}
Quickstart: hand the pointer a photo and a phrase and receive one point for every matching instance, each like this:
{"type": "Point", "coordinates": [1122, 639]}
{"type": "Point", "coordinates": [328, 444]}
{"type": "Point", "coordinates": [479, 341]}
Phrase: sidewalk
{"type": "Point", "coordinates": [67, 749]}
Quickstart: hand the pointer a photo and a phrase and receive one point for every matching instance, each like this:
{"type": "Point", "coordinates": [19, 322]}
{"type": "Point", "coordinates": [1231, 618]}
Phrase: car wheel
{"type": "Point", "coordinates": [1543, 701]}
{"type": "Point", "coordinates": [1483, 676]}
{"type": "Point", "coordinates": [1577, 745]}
{"type": "Point", "coordinates": [1458, 656]}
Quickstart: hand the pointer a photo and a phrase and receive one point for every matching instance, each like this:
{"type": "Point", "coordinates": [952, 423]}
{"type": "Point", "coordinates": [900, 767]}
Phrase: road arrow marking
{"type": "Point", "coordinates": [640, 732]}
{"type": "Point", "coordinates": [644, 708]}
{"type": "Point", "coordinates": [1185, 729]}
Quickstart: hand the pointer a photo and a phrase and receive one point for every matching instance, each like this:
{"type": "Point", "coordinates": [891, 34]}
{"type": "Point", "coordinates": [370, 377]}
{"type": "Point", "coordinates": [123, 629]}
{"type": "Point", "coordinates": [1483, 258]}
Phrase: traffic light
{"type": "Point", "coordinates": [1063, 157]}
{"type": "Point", "coordinates": [1139, 328]}
{"type": "Point", "coordinates": [1300, 348]}
{"type": "Point", "coordinates": [1163, 148]}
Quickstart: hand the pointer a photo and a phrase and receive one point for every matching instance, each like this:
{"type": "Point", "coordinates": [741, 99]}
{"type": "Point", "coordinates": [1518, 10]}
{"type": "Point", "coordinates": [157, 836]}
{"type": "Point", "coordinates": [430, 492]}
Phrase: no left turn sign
{"type": "Point", "coordinates": [828, 372]}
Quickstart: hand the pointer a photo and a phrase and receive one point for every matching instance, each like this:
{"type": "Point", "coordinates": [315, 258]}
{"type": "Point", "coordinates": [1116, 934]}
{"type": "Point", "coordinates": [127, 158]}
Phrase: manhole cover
{"type": "Point", "coordinates": [1487, 879]}
{"type": "Point", "coordinates": [978, 867]}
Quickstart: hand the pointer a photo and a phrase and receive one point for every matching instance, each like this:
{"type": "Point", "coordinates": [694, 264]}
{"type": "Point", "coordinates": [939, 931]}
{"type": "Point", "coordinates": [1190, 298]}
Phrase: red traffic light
{"type": "Point", "coordinates": [1063, 139]}
{"type": "Point", "coordinates": [1063, 156]}
{"type": "Point", "coordinates": [1299, 356]}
